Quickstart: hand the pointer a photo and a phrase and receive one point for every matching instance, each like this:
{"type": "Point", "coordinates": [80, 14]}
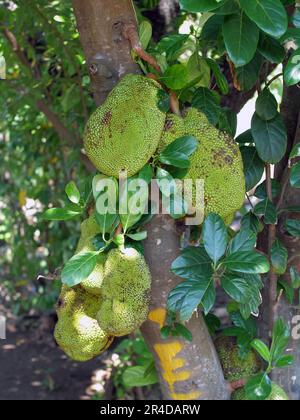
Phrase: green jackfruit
{"type": "Point", "coordinates": [124, 132]}
{"type": "Point", "coordinates": [277, 394]}
{"type": "Point", "coordinates": [234, 367]}
{"type": "Point", "coordinates": [77, 331]}
{"type": "Point", "coordinates": [125, 291]}
{"type": "Point", "coordinates": [217, 161]}
{"type": "Point", "coordinates": [89, 229]}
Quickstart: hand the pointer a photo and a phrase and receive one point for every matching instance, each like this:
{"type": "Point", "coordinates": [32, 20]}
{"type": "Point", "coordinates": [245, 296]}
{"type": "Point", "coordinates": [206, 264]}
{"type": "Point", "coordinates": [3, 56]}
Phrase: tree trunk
{"type": "Point", "coordinates": [186, 370]}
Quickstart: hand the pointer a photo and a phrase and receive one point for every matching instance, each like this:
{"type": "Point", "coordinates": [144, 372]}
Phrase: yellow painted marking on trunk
{"type": "Point", "coordinates": [167, 353]}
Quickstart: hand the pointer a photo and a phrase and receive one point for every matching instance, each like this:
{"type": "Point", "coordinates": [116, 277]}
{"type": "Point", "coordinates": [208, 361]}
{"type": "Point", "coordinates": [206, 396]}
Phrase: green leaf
{"type": "Point", "coordinates": [247, 262]}
{"type": "Point", "coordinates": [253, 166]}
{"type": "Point", "coordinates": [133, 203]}
{"type": "Point", "coordinates": [172, 46]}
{"type": "Point", "coordinates": [261, 349]}
{"type": "Point", "coordinates": [271, 49]}
{"type": "Point", "coordinates": [200, 5]}
{"type": "Point", "coordinates": [60, 214]}
{"type": "Point", "coordinates": [163, 101]}
{"type": "Point", "coordinates": [208, 102]}
{"type": "Point", "coordinates": [107, 222]}
{"type": "Point", "coordinates": [188, 295]}
{"type": "Point", "coordinates": [241, 37]}
{"type": "Point", "coordinates": [165, 332]}
{"type": "Point", "coordinates": [266, 209]}
{"type": "Point", "coordinates": [270, 138]}
{"type": "Point", "coordinates": [266, 105]}
{"type": "Point", "coordinates": [295, 278]}
{"type": "Point", "coordinates": [279, 257]}
{"type": "Point", "coordinates": [78, 268]}
{"type": "Point", "coordinates": [184, 332]}
{"type": "Point", "coordinates": [193, 263]}
{"type": "Point", "coordinates": [145, 33]}
{"type": "Point", "coordinates": [139, 236]}
{"type": "Point", "coordinates": [220, 78]}
{"type": "Point", "coordinates": [280, 339]}
{"type": "Point", "coordinates": [178, 152]}
{"type": "Point", "coordinates": [251, 307]}
{"type": "Point", "coordinates": [215, 236]}
{"type": "Point", "coordinates": [166, 182]}
{"type": "Point", "coordinates": [251, 222]}
{"type": "Point", "coordinates": [146, 173]}
{"type": "Point", "coordinates": [176, 77]}
{"type": "Point", "coordinates": [269, 15]}
{"type": "Point", "coordinates": [245, 138]}
{"type": "Point", "coordinates": [284, 361]}
{"type": "Point", "coordinates": [288, 290]}
{"type": "Point", "coordinates": [259, 387]}
{"type": "Point", "coordinates": [72, 192]}
{"type": "Point", "coordinates": [295, 175]}
{"type": "Point", "coordinates": [295, 151]}
{"type": "Point", "coordinates": [261, 190]}
{"type": "Point", "coordinates": [135, 376]}
{"type": "Point", "coordinates": [245, 240]}
{"type": "Point", "coordinates": [247, 75]}
{"type": "Point", "coordinates": [292, 69]}
{"type": "Point", "coordinates": [213, 323]}
{"type": "Point", "coordinates": [237, 288]}
{"type": "Point", "coordinates": [292, 226]}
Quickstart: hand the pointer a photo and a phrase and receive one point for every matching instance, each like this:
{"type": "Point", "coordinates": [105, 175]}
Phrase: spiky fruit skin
{"type": "Point", "coordinates": [89, 229]}
{"type": "Point", "coordinates": [125, 291]}
{"type": "Point", "coordinates": [277, 394]}
{"type": "Point", "coordinates": [77, 331]}
{"type": "Point", "coordinates": [217, 161]}
{"type": "Point", "coordinates": [124, 132]}
{"type": "Point", "coordinates": [235, 367]}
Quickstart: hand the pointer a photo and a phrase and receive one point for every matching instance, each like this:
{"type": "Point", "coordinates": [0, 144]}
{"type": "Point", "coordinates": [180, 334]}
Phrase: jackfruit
{"type": "Point", "coordinates": [235, 367]}
{"type": "Point", "coordinates": [125, 290]}
{"type": "Point", "coordinates": [89, 229]}
{"type": "Point", "coordinates": [77, 331]}
{"type": "Point", "coordinates": [217, 161]}
{"type": "Point", "coordinates": [277, 394]}
{"type": "Point", "coordinates": [124, 132]}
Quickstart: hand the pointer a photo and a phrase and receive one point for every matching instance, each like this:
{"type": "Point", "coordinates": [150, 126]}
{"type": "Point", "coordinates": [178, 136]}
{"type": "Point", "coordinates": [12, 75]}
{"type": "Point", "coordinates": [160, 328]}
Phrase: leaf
{"type": "Point", "coordinates": [292, 69]}
{"type": "Point", "coordinates": [295, 278]}
{"type": "Point", "coordinates": [245, 240]}
{"type": "Point", "coordinates": [279, 257]}
{"type": "Point", "coordinates": [295, 175]}
{"type": "Point", "coordinates": [270, 138]}
{"type": "Point", "coordinates": [241, 37]}
{"type": "Point", "coordinates": [271, 49]}
{"type": "Point", "coordinates": [135, 376]}
{"type": "Point", "coordinates": [215, 237]}
{"type": "Point", "coordinates": [133, 202]}
{"type": "Point", "coordinates": [220, 78]}
{"type": "Point", "coordinates": [295, 151]}
{"type": "Point", "coordinates": [182, 331]}
{"type": "Point", "coordinates": [247, 262]}
{"type": "Point", "coordinates": [236, 288]}
{"type": "Point", "coordinates": [247, 75]}
{"type": "Point", "coordinates": [78, 268]}
{"type": "Point", "coordinates": [284, 361]}
{"type": "Point", "coordinates": [266, 105]}
{"type": "Point", "coordinates": [251, 222]}
{"type": "Point", "coordinates": [146, 173]}
{"type": "Point", "coordinates": [139, 236]}
{"type": "Point", "coordinates": [261, 349]}
{"type": "Point", "coordinates": [200, 5]}
{"type": "Point", "coordinates": [251, 307]}
{"type": "Point", "coordinates": [283, 285]}
{"type": "Point", "coordinates": [261, 190]}
{"type": "Point", "coordinates": [60, 214]}
{"type": "Point", "coordinates": [145, 33]}
{"type": "Point", "coordinates": [193, 263]}
{"type": "Point", "coordinates": [178, 152]}
{"type": "Point", "coordinates": [72, 192]}
{"type": "Point", "coordinates": [267, 209]}
{"type": "Point", "coordinates": [208, 102]}
{"type": "Point", "coordinates": [245, 138]}
{"type": "Point", "coordinates": [166, 182]}
{"type": "Point", "coordinates": [172, 45]}
{"type": "Point", "coordinates": [176, 77]}
{"type": "Point", "coordinates": [292, 226]}
{"type": "Point", "coordinates": [269, 15]}
{"type": "Point", "coordinates": [213, 323]}
{"type": "Point", "coordinates": [259, 387]}
{"type": "Point", "coordinates": [188, 295]}
{"type": "Point", "coordinates": [280, 339]}
{"type": "Point", "coordinates": [253, 166]}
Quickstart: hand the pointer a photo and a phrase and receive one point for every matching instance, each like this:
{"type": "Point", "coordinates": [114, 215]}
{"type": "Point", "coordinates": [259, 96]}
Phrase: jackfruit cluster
{"type": "Point", "coordinates": [112, 301]}
{"type": "Point", "coordinates": [124, 132]}
{"type": "Point", "coordinates": [234, 367]}
{"type": "Point", "coordinates": [125, 291]}
{"type": "Point", "coordinates": [277, 394]}
{"type": "Point", "coordinates": [77, 331]}
{"type": "Point", "coordinates": [217, 161]}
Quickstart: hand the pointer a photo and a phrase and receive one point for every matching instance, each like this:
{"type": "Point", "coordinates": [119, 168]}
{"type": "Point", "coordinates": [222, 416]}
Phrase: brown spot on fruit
{"type": "Point", "coordinates": [106, 118]}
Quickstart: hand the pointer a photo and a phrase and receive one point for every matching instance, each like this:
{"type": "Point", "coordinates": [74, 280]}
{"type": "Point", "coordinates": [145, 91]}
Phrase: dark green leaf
{"type": "Point", "coordinates": [245, 240]}
{"type": "Point", "coordinates": [258, 387]}
{"type": "Point", "coordinates": [280, 339]}
{"type": "Point", "coordinates": [251, 222]}
{"type": "Point", "coordinates": [178, 152]}
{"type": "Point", "coordinates": [247, 262]}
{"type": "Point", "coordinates": [271, 49]}
{"type": "Point", "coordinates": [220, 78]}
{"type": "Point", "coordinates": [192, 264]}
{"type": "Point", "coordinates": [266, 209]}
{"type": "Point", "coordinates": [172, 45]}
{"type": "Point", "coordinates": [295, 151]}
{"type": "Point", "coordinates": [292, 69]}
{"type": "Point", "coordinates": [295, 278]}
{"type": "Point", "coordinates": [163, 101]}
{"type": "Point", "coordinates": [200, 5]}
{"type": "Point", "coordinates": [182, 331]}
{"type": "Point", "coordinates": [208, 102]}
{"type": "Point", "coordinates": [248, 74]}
{"type": "Point", "coordinates": [287, 290]}
{"type": "Point", "coordinates": [135, 376]}
{"type": "Point", "coordinates": [253, 166]}
{"type": "Point", "coordinates": [266, 105]}
{"type": "Point", "coordinates": [292, 226]}
{"type": "Point", "coordinates": [215, 236]}
{"type": "Point", "coordinates": [295, 175]}
{"type": "Point", "coordinates": [237, 288]}
{"type": "Point", "coordinates": [261, 190]}
{"type": "Point", "coordinates": [245, 138]}
{"type": "Point", "coordinates": [270, 138]}
{"type": "Point", "coordinates": [279, 257]}
{"type": "Point", "coordinates": [78, 268]}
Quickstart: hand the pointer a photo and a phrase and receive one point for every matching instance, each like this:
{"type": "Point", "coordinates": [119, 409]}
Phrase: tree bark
{"type": "Point", "coordinates": [186, 370]}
